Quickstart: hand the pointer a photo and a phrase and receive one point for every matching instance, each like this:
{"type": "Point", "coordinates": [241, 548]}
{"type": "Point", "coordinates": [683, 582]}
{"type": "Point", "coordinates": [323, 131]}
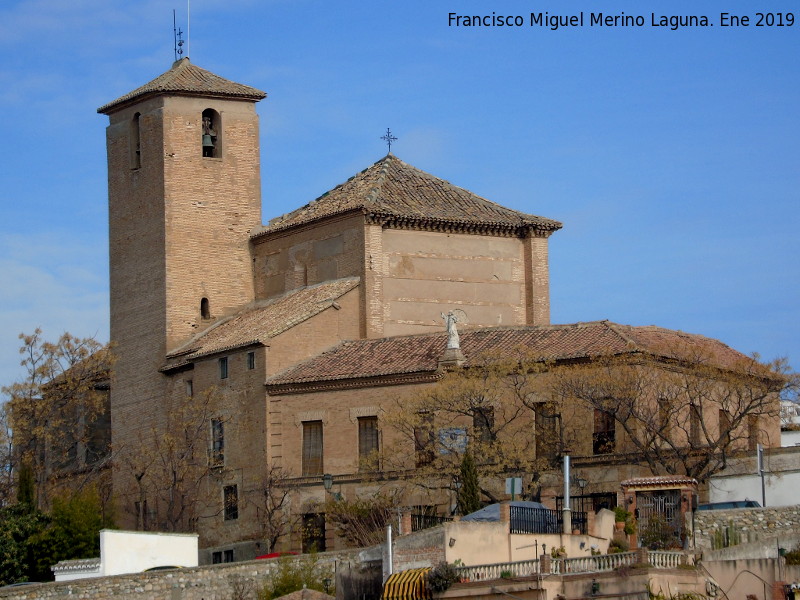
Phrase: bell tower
{"type": "Point", "coordinates": [184, 195]}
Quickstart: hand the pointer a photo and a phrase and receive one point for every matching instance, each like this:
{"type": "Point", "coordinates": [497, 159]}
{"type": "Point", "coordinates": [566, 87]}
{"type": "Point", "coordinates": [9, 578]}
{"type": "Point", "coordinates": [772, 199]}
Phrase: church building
{"type": "Point", "coordinates": [245, 347]}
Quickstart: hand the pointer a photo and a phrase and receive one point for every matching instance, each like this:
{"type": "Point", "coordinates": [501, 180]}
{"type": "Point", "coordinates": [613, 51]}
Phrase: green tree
{"type": "Point", "coordinates": [18, 524]}
{"type": "Point", "coordinates": [73, 532]}
{"type": "Point", "coordinates": [469, 494]}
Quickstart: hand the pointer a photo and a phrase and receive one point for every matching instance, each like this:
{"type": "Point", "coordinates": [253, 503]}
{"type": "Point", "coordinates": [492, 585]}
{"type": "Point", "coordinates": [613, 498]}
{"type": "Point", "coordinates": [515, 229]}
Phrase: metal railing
{"type": "Point", "coordinates": [419, 522]}
{"type": "Point", "coordinates": [543, 520]}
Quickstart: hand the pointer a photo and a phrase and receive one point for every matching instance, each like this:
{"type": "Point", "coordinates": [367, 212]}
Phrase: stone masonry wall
{"type": "Point", "coordinates": [749, 524]}
{"type": "Point", "coordinates": [213, 582]}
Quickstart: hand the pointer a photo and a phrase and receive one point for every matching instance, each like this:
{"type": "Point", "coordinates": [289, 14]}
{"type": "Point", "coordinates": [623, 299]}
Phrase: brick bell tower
{"type": "Point", "coordinates": [184, 190]}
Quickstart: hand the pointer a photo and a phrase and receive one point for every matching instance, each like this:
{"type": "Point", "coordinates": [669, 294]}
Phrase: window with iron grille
{"type": "Point", "coordinates": [604, 436]}
{"type": "Point", "coordinates": [312, 448]}
{"type": "Point", "coordinates": [230, 496]}
{"type": "Point", "coordinates": [313, 532]}
{"type": "Point", "coordinates": [424, 440]}
{"type": "Point", "coordinates": [367, 436]}
{"type": "Point", "coordinates": [251, 361]}
{"type": "Point", "coordinates": [217, 458]}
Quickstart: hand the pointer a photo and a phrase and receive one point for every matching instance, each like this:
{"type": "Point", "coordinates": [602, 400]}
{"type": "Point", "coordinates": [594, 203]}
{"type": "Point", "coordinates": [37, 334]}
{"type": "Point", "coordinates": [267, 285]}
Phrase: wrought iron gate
{"type": "Point", "coordinates": [659, 519]}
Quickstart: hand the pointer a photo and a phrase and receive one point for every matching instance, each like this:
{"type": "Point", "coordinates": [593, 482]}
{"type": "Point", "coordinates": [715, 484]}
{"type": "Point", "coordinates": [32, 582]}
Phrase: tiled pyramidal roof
{"type": "Point", "coordinates": [263, 320]}
{"type": "Point", "coordinates": [186, 79]}
{"type": "Point", "coordinates": [400, 195]}
{"type": "Point", "coordinates": [421, 353]}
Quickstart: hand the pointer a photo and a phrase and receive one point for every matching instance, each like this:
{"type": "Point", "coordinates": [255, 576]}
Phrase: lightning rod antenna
{"type": "Point", "coordinates": [188, 27]}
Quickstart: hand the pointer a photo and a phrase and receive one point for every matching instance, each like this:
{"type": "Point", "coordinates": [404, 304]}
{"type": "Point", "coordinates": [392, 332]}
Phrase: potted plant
{"type": "Point", "coordinates": [620, 517]}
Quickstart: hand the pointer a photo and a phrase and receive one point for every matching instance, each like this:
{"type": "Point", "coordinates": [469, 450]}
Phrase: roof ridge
{"type": "Point", "coordinates": [615, 327]}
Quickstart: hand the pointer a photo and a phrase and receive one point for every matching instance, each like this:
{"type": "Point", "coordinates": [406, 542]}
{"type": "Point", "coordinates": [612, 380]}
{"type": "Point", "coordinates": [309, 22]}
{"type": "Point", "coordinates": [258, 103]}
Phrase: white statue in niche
{"type": "Point", "coordinates": [450, 320]}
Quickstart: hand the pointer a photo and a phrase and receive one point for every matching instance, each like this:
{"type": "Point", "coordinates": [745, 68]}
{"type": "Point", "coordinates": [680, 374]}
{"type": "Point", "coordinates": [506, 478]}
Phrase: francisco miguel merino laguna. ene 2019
{"type": "Point", "coordinates": [594, 19]}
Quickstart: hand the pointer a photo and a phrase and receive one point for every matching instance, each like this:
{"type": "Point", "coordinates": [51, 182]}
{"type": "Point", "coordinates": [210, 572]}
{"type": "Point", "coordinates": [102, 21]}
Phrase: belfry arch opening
{"type": "Point", "coordinates": [205, 309]}
{"type": "Point", "coordinates": [211, 139]}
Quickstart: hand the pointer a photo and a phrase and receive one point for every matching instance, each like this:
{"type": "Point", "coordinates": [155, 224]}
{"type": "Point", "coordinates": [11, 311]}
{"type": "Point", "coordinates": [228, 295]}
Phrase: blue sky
{"type": "Point", "coordinates": [671, 157]}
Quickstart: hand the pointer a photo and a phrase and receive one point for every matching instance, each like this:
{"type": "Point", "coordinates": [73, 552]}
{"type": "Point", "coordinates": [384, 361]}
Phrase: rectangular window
{"type": "Point", "coordinates": [251, 361]}
{"type": "Point", "coordinates": [312, 448]}
{"type": "Point", "coordinates": [694, 425]}
{"type": "Point", "coordinates": [547, 431]}
{"type": "Point", "coordinates": [230, 498]}
{"type": "Point", "coordinates": [223, 367]}
{"type": "Point", "coordinates": [313, 532]}
{"type": "Point", "coordinates": [189, 388]}
{"type": "Point", "coordinates": [483, 423]}
{"type": "Point", "coordinates": [217, 443]}
{"type": "Point", "coordinates": [367, 436]}
{"type": "Point", "coordinates": [604, 436]}
{"type": "Point", "coordinates": [228, 556]}
{"type": "Point", "coordinates": [724, 429]}
{"type": "Point", "coordinates": [216, 558]}
{"type": "Point", "coordinates": [752, 432]}
{"type": "Point", "coordinates": [424, 440]}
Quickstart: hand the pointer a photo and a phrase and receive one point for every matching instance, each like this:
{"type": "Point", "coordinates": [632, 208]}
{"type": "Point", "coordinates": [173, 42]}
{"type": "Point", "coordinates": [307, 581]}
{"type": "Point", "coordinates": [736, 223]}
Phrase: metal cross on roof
{"type": "Point", "coordinates": [389, 138]}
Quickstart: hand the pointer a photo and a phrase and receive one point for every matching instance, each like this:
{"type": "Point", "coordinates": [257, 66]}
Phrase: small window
{"type": "Point", "coordinates": [604, 436]}
{"type": "Point", "coordinates": [312, 448]}
{"type": "Point", "coordinates": [223, 367]}
{"type": "Point", "coordinates": [695, 418]}
{"type": "Point", "coordinates": [313, 532]}
{"type": "Point", "coordinates": [229, 558]}
{"type": "Point", "coordinates": [189, 388]}
{"type": "Point", "coordinates": [483, 424]}
{"type": "Point", "coordinates": [230, 495]}
{"type": "Point", "coordinates": [135, 142]}
{"type": "Point", "coordinates": [216, 558]}
{"type": "Point", "coordinates": [367, 436]}
{"type": "Point", "coordinates": [217, 443]}
{"type": "Point", "coordinates": [211, 139]}
{"type": "Point", "coordinates": [205, 309]}
{"type": "Point", "coordinates": [251, 361]}
{"type": "Point", "coordinates": [424, 440]}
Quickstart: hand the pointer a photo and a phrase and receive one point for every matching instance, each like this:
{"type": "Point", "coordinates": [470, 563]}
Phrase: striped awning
{"type": "Point", "coordinates": [407, 585]}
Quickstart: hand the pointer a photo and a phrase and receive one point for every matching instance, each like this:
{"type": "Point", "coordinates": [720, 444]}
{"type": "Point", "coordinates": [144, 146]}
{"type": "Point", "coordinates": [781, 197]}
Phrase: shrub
{"type": "Point", "coordinates": [441, 577]}
{"type": "Point", "coordinates": [294, 574]}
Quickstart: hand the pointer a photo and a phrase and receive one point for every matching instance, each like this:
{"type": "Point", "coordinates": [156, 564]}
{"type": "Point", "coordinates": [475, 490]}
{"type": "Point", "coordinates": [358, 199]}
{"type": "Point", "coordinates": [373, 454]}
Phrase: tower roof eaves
{"type": "Point", "coordinates": [186, 79]}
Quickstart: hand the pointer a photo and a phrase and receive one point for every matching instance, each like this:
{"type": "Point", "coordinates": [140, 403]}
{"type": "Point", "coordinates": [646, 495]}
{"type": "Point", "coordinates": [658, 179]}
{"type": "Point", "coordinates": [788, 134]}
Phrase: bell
{"type": "Point", "coordinates": [208, 142]}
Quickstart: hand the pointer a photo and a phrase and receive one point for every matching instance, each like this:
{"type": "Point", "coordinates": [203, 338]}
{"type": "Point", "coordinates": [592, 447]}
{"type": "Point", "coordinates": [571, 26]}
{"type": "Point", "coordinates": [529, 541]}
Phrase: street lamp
{"type": "Point", "coordinates": [327, 482]}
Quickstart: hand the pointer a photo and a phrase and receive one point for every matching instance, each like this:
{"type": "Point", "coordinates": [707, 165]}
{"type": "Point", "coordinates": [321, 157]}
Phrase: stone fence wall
{"type": "Point", "coordinates": [233, 581]}
{"type": "Point", "coordinates": [724, 528]}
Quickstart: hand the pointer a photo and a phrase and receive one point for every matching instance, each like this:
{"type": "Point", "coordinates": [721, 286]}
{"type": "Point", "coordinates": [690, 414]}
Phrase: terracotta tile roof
{"type": "Point", "coordinates": [262, 320]}
{"type": "Point", "coordinates": [398, 194]}
{"type": "Point", "coordinates": [421, 353]}
{"type": "Point", "coordinates": [186, 79]}
{"type": "Point", "coordinates": [658, 481]}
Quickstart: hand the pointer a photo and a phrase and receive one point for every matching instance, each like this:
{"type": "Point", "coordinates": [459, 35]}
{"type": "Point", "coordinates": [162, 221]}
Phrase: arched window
{"type": "Point", "coordinates": [136, 149]}
{"type": "Point", "coordinates": [205, 309]}
{"type": "Point", "coordinates": [212, 134]}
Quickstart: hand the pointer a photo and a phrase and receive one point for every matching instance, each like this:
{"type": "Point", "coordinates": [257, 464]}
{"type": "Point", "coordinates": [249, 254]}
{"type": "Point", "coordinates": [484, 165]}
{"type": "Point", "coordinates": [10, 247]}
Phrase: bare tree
{"type": "Point", "coordinates": [169, 465]}
{"type": "Point", "coordinates": [53, 408]}
{"type": "Point", "coordinates": [271, 501]}
{"type": "Point", "coordinates": [497, 407]}
{"type": "Point", "coordinates": [685, 414]}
